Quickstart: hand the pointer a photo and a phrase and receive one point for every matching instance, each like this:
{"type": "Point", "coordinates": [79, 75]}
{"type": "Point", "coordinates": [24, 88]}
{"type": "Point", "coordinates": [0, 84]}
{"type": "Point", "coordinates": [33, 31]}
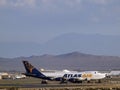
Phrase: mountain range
{"type": "Point", "coordinates": [70, 61]}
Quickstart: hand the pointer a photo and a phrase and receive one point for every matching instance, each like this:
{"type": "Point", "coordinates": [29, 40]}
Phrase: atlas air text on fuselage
{"type": "Point", "coordinates": [88, 75]}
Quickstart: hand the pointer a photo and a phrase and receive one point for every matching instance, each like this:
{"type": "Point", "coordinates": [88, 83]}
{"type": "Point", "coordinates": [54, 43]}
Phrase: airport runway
{"type": "Point", "coordinates": [35, 83]}
{"type": "Point", "coordinates": [43, 85]}
{"type": "Point", "coordinates": [54, 85]}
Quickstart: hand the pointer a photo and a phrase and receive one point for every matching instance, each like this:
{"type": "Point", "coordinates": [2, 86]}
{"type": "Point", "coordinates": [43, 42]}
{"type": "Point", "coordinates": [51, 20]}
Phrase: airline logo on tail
{"type": "Point", "coordinates": [33, 72]}
{"type": "Point", "coordinates": [28, 66]}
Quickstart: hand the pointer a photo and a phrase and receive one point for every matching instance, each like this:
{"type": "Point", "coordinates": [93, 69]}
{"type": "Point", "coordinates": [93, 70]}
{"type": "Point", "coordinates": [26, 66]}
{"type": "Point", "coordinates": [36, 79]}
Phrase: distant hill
{"type": "Point", "coordinates": [86, 43]}
{"type": "Point", "coordinates": [71, 61]}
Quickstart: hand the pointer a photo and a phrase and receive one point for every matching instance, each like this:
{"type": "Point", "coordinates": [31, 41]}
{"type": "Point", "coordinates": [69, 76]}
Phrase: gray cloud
{"type": "Point", "coordinates": [100, 1]}
{"type": "Point", "coordinates": [17, 3]}
{"type": "Point", "coordinates": [3, 2]}
{"type": "Point", "coordinates": [50, 3]}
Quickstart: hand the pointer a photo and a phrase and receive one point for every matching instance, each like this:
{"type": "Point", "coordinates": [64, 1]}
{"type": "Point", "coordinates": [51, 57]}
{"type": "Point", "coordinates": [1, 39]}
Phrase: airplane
{"type": "Point", "coordinates": [18, 76]}
{"type": "Point", "coordinates": [72, 76]}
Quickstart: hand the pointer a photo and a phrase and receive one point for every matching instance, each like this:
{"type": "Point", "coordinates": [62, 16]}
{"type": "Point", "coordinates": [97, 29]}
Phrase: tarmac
{"type": "Point", "coordinates": [35, 84]}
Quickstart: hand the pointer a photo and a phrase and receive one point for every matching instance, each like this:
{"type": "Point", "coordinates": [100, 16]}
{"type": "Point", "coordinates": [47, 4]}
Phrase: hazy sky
{"type": "Point", "coordinates": [41, 20]}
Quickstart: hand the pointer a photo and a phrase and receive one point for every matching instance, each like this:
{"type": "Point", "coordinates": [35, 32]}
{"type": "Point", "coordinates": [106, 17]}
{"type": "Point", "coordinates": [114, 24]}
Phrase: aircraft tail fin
{"type": "Point", "coordinates": [32, 71]}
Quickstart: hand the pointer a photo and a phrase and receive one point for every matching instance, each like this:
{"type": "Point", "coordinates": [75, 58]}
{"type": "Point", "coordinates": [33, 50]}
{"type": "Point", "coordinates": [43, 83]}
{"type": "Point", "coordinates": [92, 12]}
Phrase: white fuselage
{"type": "Point", "coordinates": [56, 74]}
{"type": "Point", "coordinates": [76, 75]}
